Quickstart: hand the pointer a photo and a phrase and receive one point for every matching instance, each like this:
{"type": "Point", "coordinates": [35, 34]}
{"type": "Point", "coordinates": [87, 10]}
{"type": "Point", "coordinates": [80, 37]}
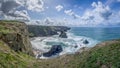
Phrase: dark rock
{"type": "Point", "coordinates": [39, 56]}
{"type": "Point", "coordinates": [63, 34]}
{"type": "Point", "coordinates": [86, 42]}
{"type": "Point", "coordinates": [75, 46]}
{"type": "Point", "coordinates": [40, 31]}
{"type": "Point", "coordinates": [53, 51]}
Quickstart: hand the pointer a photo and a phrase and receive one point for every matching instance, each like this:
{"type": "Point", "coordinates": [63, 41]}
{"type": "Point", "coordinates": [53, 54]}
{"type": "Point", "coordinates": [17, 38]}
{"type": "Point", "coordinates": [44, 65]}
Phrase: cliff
{"type": "Point", "coordinates": [15, 35]}
{"type": "Point", "coordinates": [36, 31]}
{"type": "Point", "coordinates": [15, 45]}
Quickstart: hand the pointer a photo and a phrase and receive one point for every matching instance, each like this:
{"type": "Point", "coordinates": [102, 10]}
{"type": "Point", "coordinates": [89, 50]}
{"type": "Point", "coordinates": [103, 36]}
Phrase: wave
{"type": "Point", "coordinates": [70, 45]}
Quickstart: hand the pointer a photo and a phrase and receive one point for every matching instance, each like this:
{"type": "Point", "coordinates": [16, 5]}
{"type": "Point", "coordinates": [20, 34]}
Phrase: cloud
{"type": "Point", "coordinates": [71, 13]}
{"type": "Point", "coordinates": [98, 15]}
{"type": "Point", "coordinates": [50, 22]}
{"type": "Point", "coordinates": [35, 5]}
{"type": "Point", "coordinates": [18, 15]}
{"type": "Point", "coordinates": [109, 2]}
{"type": "Point", "coordinates": [7, 6]}
{"type": "Point", "coordinates": [102, 10]}
{"type": "Point", "coordinates": [59, 7]}
{"type": "Point", "coordinates": [11, 9]}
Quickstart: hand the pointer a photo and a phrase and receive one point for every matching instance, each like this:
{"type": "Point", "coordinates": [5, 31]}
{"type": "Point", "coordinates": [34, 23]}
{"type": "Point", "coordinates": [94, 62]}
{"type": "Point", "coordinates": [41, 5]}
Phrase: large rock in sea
{"type": "Point", "coordinates": [56, 49]}
{"type": "Point", "coordinates": [86, 41]}
{"type": "Point", "coordinates": [63, 34]}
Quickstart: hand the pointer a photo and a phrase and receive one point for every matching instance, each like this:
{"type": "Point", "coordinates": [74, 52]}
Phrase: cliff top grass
{"type": "Point", "coordinates": [9, 26]}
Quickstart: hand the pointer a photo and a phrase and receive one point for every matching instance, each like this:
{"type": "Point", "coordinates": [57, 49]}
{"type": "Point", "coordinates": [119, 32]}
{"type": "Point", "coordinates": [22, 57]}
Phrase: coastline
{"type": "Point", "coordinates": [70, 45]}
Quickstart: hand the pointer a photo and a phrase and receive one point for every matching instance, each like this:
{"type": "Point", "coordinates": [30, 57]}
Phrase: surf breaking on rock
{"type": "Point", "coordinates": [50, 47]}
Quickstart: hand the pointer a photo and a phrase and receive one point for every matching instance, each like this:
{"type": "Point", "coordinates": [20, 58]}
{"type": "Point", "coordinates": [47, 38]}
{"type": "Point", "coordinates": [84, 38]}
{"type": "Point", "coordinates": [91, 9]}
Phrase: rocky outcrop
{"type": "Point", "coordinates": [56, 49]}
{"type": "Point", "coordinates": [16, 36]}
{"type": "Point", "coordinates": [63, 34]}
{"type": "Point", "coordinates": [85, 41]}
{"type": "Point", "coordinates": [41, 31]}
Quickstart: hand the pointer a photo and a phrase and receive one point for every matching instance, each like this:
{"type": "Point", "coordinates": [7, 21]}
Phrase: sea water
{"type": "Point", "coordinates": [97, 33]}
{"type": "Point", "coordinates": [76, 36]}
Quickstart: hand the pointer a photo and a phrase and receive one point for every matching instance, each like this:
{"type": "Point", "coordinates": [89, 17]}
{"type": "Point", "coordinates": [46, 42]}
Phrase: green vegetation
{"type": "Point", "coordinates": [5, 30]}
{"type": "Point", "coordinates": [11, 59]}
{"type": "Point", "coordinates": [7, 26]}
{"type": "Point", "coordinates": [107, 56]}
{"type": "Point", "coordinates": [104, 55]}
{"type": "Point", "coordinates": [12, 21]}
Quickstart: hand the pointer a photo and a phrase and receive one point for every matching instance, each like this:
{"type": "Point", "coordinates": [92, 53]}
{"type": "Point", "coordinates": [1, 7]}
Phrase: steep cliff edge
{"type": "Point", "coordinates": [15, 35]}
{"type": "Point", "coordinates": [14, 44]}
{"type": "Point", "coordinates": [36, 30]}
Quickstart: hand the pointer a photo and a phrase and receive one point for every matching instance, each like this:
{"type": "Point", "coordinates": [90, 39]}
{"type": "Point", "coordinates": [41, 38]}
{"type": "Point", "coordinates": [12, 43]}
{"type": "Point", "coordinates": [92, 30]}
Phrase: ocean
{"type": "Point", "coordinates": [75, 40]}
{"type": "Point", "coordinates": [97, 33]}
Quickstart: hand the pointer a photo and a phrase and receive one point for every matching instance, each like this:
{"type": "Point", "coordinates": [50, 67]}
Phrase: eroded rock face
{"type": "Point", "coordinates": [56, 49]}
{"type": "Point", "coordinates": [63, 34]}
{"type": "Point", "coordinates": [18, 38]}
{"type": "Point", "coordinates": [40, 31]}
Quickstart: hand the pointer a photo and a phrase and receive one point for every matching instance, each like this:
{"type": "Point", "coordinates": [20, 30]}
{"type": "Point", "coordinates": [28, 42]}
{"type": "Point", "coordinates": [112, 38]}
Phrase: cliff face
{"type": "Point", "coordinates": [46, 30]}
{"type": "Point", "coordinates": [15, 35]}
{"type": "Point", "coordinates": [14, 39]}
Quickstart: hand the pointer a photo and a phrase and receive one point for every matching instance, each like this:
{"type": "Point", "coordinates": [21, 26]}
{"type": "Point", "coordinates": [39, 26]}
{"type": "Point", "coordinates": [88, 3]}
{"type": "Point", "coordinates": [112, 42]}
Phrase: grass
{"type": "Point", "coordinates": [12, 21]}
{"type": "Point", "coordinates": [10, 26]}
{"type": "Point", "coordinates": [107, 56]}
{"type": "Point", "coordinates": [104, 55]}
{"type": "Point", "coordinates": [5, 30]}
{"type": "Point", "coordinates": [12, 59]}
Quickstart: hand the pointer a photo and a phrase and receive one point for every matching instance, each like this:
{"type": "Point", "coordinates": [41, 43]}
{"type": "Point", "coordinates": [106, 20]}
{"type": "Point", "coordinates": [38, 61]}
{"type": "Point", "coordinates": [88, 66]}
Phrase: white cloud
{"type": "Point", "coordinates": [9, 9]}
{"type": "Point", "coordinates": [71, 13]}
{"type": "Point", "coordinates": [18, 15]}
{"type": "Point", "coordinates": [35, 5]}
{"type": "Point", "coordinates": [99, 15]}
{"type": "Point", "coordinates": [59, 7]}
{"type": "Point", "coordinates": [50, 22]}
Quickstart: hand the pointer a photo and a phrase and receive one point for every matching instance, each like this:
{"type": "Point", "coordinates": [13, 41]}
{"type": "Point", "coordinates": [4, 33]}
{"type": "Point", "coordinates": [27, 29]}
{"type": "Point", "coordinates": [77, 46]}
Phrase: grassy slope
{"type": "Point", "coordinates": [104, 55]}
{"type": "Point", "coordinates": [8, 57]}
{"type": "Point", "coordinates": [11, 59]}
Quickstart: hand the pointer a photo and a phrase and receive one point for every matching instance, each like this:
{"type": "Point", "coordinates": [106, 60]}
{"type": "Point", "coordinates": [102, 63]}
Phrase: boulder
{"type": "Point", "coordinates": [75, 46]}
{"type": "Point", "coordinates": [86, 41]}
{"type": "Point", "coordinates": [63, 34]}
{"type": "Point", "coordinates": [56, 49]}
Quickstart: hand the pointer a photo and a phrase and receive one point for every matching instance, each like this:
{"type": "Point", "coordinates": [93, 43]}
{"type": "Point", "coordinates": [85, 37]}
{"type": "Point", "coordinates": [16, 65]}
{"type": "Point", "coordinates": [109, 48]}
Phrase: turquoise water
{"type": "Point", "coordinates": [97, 33]}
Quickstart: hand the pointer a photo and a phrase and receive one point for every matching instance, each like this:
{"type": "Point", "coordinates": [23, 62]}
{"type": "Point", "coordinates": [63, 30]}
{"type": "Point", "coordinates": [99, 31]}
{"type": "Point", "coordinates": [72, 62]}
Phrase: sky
{"type": "Point", "coordinates": [62, 12]}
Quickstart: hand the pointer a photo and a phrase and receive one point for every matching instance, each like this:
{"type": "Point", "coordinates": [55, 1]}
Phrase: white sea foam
{"type": "Point", "coordinates": [70, 45]}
